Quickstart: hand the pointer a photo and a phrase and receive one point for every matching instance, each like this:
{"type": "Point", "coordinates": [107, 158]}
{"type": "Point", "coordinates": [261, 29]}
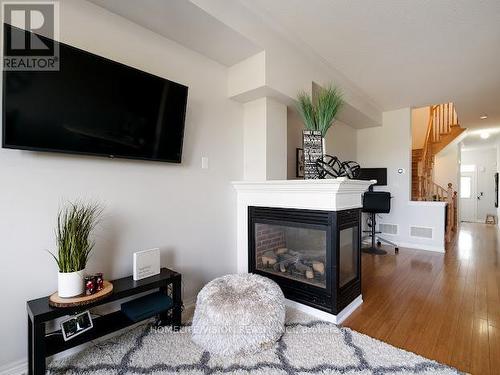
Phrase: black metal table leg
{"type": "Point", "coordinates": [165, 317]}
{"type": "Point", "coordinates": [177, 299]}
{"type": "Point", "coordinates": [30, 346]}
{"type": "Point", "coordinates": [37, 357]}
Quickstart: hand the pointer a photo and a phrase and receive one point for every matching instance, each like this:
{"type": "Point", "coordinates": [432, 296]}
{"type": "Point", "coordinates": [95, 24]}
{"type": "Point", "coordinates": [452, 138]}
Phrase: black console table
{"type": "Point", "coordinates": [41, 345]}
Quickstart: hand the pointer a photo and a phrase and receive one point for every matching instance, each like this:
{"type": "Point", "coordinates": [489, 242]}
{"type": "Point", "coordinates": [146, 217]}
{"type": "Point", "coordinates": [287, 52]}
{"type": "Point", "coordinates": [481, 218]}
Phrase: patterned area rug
{"type": "Point", "coordinates": [307, 347]}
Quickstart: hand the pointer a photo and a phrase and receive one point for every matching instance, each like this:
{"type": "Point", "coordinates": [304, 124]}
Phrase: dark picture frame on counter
{"type": "Point", "coordinates": [496, 190]}
{"type": "Point", "coordinates": [299, 162]}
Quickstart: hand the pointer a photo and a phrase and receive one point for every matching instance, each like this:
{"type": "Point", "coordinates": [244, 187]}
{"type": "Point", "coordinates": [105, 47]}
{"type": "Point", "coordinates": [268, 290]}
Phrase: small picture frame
{"type": "Point", "coordinates": [146, 263]}
{"type": "Point", "coordinates": [496, 190]}
{"type": "Point", "coordinates": [299, 163]}
{"type": "Point", "coordinates": [76, 325]}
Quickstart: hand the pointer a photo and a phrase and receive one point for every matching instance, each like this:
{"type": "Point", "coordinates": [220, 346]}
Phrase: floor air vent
{"type": "Point", "coordinates": [388, 228]}
{"type": "Point", "coordinates": [421, 232]}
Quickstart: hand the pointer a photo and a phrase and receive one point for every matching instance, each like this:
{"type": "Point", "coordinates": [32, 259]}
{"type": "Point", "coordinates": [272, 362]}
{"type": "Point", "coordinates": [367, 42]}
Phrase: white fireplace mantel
{"type": "Point", "coordinates": [328, 195]}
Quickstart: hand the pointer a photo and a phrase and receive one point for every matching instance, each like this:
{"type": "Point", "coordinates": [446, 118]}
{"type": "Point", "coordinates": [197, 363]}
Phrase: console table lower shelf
{"type": "Point", "coordinates": [42, 345]}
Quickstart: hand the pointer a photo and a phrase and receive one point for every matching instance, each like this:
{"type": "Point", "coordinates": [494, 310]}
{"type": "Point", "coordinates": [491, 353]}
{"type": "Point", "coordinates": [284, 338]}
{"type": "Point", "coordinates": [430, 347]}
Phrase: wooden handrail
{"type": "Point", "coordinates": [438, 193]}
{"type": "Point", "coordinates": [441, 118]}
{"type": "Point", "coordinates": [433, 191]}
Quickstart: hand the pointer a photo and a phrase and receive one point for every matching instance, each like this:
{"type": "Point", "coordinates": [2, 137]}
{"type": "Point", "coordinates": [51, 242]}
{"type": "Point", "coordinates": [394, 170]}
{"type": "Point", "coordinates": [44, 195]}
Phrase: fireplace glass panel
{"type": "Point", "coordinates": [348, 254]}
{"type": "Point", "coordinates": [291, 252]}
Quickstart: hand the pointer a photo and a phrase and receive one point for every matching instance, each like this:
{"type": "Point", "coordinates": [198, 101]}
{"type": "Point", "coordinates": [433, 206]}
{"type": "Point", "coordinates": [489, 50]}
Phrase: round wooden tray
{"type": "Point", "coordinates": [56, 301]}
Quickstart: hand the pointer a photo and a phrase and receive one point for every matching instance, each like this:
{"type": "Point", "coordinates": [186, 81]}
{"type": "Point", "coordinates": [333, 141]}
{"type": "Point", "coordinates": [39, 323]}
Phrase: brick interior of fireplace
{"type": "Point", "coordinates": [295, 253]}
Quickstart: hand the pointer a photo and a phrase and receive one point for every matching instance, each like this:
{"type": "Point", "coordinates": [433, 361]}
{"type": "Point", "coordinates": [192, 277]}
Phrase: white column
{"type": "Point", "coordinates": [265, 136]}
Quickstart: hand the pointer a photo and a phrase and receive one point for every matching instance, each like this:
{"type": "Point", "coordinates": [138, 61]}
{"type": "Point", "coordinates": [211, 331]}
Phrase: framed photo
{"type": "Point", "coordinates": [496, 190]}
{"type": "Point", "coordinates": [299, 163]}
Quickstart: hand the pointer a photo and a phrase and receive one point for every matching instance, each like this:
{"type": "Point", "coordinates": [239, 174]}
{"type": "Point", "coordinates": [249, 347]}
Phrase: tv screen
{"type": "Point", "coordinates": [93, 105]}
{"type": "Point", "coordinates": [379, 174]}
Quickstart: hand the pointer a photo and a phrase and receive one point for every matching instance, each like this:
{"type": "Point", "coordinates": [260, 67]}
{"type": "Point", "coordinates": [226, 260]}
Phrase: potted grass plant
{"type": "Point", "coordinates": [318, 116]}
{"type": "Point", "coordinates": [75, 224]}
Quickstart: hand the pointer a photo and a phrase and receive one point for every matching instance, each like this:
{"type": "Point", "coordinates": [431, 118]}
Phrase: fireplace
{"type": "Point", "coordinates": [313, 255]}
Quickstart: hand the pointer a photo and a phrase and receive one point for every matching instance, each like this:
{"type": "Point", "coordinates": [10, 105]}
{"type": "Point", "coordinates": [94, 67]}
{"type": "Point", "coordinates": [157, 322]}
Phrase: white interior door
{"type": "Point", "coordinates": [468, 199]}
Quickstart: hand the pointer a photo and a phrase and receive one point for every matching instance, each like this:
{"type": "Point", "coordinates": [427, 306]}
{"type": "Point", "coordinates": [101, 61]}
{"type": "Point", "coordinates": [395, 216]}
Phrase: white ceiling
{"type": "Point", "coordinates": [404, 52]}
{"type": "Point", "coordinates": [187, 24]}
{"type": "Point", "coordinates": [473, 140]}
{"type": "Point", "coordinates": [399, 53]}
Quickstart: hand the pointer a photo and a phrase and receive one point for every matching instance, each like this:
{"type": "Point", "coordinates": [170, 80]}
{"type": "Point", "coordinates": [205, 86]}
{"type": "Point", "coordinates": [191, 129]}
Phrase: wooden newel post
{"type": "Point", "coordinates": [449, 196]}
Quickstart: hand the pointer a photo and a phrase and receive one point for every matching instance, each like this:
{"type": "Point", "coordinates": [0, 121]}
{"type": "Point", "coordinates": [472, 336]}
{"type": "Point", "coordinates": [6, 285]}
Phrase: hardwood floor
{"type": "Point", "coordinates": [442, 306]}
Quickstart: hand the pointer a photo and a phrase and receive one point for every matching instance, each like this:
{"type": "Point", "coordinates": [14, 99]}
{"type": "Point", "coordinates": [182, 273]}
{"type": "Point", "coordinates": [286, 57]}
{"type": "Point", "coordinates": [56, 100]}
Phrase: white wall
{"type": "Point", "coordinates": [446, 166]}
{"type": "Point", "coordinates": [186, 211]}
{"type": "Point", "coordinates": [294, 140]}
{"type": "Point", "coordinates": [485, 161]}
{"type": "Point", "coordinates": [419, 123]}
{"type": "Point", "coordinates": [341, 141]}
{"type": "Point", "coordinates": [389, 147]}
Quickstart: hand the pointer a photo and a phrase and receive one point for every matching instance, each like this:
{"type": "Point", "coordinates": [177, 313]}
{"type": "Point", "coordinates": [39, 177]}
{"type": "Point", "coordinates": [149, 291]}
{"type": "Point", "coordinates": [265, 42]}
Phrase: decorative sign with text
{"type": "Point", "coordinates": [146, 263]}
{"type": "Point", "coordinates": [313, 150]}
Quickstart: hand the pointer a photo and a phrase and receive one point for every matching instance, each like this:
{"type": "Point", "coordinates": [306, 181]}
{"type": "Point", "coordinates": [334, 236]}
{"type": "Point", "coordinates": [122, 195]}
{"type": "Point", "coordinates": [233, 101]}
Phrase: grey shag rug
{"type": "Point", "coordinates": [308, 346]}
{"type": "Point", "coordinates": [239, 314]}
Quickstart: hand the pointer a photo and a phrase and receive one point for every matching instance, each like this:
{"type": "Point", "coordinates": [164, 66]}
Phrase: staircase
{"type": "Point", "coordinates": [443, 127]}
{"type": "Point", "coordinates": [416, 156]}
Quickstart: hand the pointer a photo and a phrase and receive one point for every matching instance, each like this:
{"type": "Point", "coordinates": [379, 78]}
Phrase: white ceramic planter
{"type": "Point", "coordinates": [70, 284]}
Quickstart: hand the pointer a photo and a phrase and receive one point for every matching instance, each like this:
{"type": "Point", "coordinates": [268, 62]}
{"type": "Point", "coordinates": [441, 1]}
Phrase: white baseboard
{"type": "Point", "coordinates": [189, 305]}
{"type": "Point", "coordinates": [322, 315]}
{"type": "Point", "coordinates": [417, 246]}
{"type": "Point", "coordinates": [412, 245]}
{"type": "Point", "coordinates": [15, 368]}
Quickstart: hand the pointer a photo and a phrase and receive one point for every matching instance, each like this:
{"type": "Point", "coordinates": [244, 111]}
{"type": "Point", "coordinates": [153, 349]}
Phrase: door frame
{"type": "Point", "coordinates": [473, 195]}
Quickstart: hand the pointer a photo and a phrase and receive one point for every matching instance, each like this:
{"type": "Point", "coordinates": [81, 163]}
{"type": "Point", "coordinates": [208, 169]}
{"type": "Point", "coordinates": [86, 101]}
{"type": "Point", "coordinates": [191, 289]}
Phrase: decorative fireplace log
{"type": "Point", "coordinates": [306, 270]}
{"type": "Point", "coordinates": [286, 260]}
{"type": "Point", "coordinates": [319, 267]}
{"type": "Point", "coordinates": [281, 250]}
{"type": "Point", "coordinates": [269, 259]}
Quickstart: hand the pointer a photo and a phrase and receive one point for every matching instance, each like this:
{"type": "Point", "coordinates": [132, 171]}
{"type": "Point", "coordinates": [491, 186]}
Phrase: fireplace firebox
{"type": "Point", "coordinates": [313, 255]}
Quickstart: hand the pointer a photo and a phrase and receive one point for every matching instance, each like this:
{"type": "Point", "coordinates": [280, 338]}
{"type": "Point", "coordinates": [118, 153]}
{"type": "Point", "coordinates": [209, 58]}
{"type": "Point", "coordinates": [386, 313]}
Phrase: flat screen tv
{"type": "Point", "coordinates": [93, 106]}
{"type": "Point", "coordinates": [379, 174]}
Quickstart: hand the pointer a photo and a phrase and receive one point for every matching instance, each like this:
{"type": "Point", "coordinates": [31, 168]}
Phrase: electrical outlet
{"type": "Point", "coordinates": [204, 162]}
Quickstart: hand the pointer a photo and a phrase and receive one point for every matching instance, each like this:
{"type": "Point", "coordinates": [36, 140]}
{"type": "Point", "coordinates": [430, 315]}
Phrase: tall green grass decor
{"type": "Point", "coordinates": [75, 225]}
{"type": "Point", "coordinates": [318, 116]}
